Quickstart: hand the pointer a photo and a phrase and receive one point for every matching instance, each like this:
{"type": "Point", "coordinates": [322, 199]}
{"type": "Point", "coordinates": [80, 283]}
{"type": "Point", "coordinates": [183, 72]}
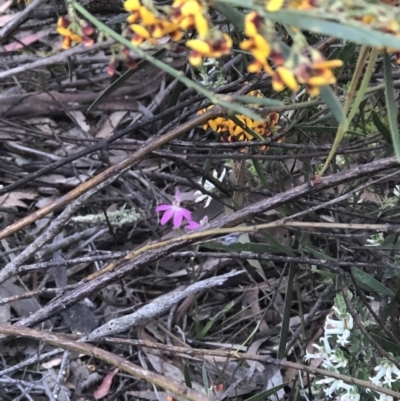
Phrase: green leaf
{"type": "Point", "coordinates": [259, 100]}
{"type": "Point", "coordinates": [391, 104]}
{"type": "Point", "coordinates": [186, 375]}
{"type": "Point", "coordinates": [211, 322]}
{"type": "Point", "coordinates": [260, 173]}
{"type": "Point", "coordinates": [122, 79]}
{"type": "Point", "coordinates": [172, 101]}
{"type": "Point", "coordinates": [393, 304]}
{"type": "Point", "coordinates": [240, 247]}
{"type": "Point", "coordinates": [367, 282]}
{"type": "Point", "coordinates": [386, 344]}
{"type": "Point", "coordinates": [332, 101]}
{"type": "Point", "coordinates": [287, 312]}
{"type": "Point", "coordinates": [381, 127]}
{"type": "Point", "coordinates": [318, 254]}
{"type": "Point", "coordinates": [346, 29]}
{"type": "Point", "coordinates": [235, 17]}
{"type": "Point", "coordinates": [236, 108]}
{"type": "Point", "coordinates": [267, 393]}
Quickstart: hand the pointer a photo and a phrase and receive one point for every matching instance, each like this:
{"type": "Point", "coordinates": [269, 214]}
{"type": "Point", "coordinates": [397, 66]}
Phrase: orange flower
{"type": "Point", "coordinates": [231, 132]}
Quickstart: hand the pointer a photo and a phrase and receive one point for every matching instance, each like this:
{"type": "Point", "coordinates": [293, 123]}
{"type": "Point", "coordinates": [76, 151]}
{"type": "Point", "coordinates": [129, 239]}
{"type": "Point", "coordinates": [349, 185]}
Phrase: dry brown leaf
{"type": "Point", "coordinates": [105, 385]}
{"type": "Point", "coordinates": [13, 199]}
{"type": "Point", "coordinates": [111, 123]}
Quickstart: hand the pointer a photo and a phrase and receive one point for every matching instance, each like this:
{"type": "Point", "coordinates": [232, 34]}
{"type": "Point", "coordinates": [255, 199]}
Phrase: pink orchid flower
{"type": "Point", "coordinates": [174, 211]}
{"type": "Point", "coordinates": [192, 225]}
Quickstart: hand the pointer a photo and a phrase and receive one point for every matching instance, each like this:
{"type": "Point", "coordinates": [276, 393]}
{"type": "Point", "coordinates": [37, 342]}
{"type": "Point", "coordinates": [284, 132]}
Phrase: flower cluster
{"type": "Point", "coordinates": [231, 132]}
{"type": "Point", "coordinates": [177, 213]}
{"type": "Point", "coordinates": [386, 374]}
{"type": "Point", "coordinates": [311, 70]}
{"type": "Point", "coordinates": [334, 358]}
{"type": "Point", "coordinates": [73, 32]}
{"type": "Point", "coordinates": [150, 25]}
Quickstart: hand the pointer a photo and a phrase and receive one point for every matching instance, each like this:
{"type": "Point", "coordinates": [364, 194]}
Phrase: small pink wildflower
{"type": "Point", "coordinates": [175, 211]}
{"type": "Point", "coordinates": [192, 225]}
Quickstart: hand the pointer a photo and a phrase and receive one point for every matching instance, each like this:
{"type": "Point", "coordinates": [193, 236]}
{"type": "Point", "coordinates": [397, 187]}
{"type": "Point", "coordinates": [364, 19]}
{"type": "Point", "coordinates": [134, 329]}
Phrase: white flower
{"type": "Point", "coordinates": [343, 339]}
{"type": "Point", "coordinates": [375, 239]}
{"type": "Point", "coordinates": [340, 327]}
{"type": "Point", "coordinates": [381, 370]}
{"type": "Point", "coordinates": [334, 385]}
{"type": "Point", "coordinates": [385, 370]}
{"type": "Point", "coordinates": [384, 397]}
{"type": "Point", "coordinates": [338, 358]}
{"type": "Point", "coordinates": [209, 187]}
{"type": "Point", "coordinates": [351, 393]}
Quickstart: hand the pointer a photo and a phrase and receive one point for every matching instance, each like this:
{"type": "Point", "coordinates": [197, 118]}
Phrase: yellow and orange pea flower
{"type": "Point", "coordinates": [72, 33]}
{"type": "Point", "coordinates": [212, 47]}
{"type": "Point", "coordinates": [229, 131]}
{"type": "Point", "coordinates": [147, 26]}
{"type": "Point", "coordinates": [189, 14]}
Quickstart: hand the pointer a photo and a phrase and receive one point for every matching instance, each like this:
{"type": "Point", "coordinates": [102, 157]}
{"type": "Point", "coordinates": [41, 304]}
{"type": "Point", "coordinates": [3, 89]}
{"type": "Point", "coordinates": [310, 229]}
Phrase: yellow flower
{"type": "Point", "coordinates": [211, 48]}
{"type": "Point", "coordinates": [283, 78]}
{"type": "Point", "coordinates": [148, 18]}
{"type": "Point", "coordinates": [190, 14]}
{"type": "Point", "coordinates": [252, 24]}
{"type": "Point", "coordinates": [140, 34]}
{"type": "Point", "coordinates": [274, 5]}
{"type": "Point", "coordinates": [132, 5]}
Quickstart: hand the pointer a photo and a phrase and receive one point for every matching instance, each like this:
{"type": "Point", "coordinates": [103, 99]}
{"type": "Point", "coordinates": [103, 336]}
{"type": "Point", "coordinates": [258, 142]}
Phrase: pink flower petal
{"type": "Point", "coordinates": [178, 197]}
{"type": "Point", "coordinates": [185, 213]}
{"type": "Point", "coordinates": [163, 207]}
{"type": "Point", "coordinates": [167, 215]}
{"type": "Point", "coordinates": [192, 225]}
{"type": "Point", "coordinates": [178, 217]}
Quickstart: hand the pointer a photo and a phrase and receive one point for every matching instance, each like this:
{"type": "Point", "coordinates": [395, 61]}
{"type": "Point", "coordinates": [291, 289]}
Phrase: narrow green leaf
{"type": "Point", "coordinates": [267, 393]}
{"type": "Point", "coordinates": [235, 17]}
{"type": "Point", "coordinates": [393, 304]}
{"type": "Point", "coordinates": [332, 101]}
{"type": "Point", "coordinates": [391, 104]}
{"type": "Point", "coordinates": [367, 282]}
{"type": "Point", "coordinates": [346, 29]}
{"type": "Point", "coordinates": [287, 313]}
{"type": "Point", "coordinates": [260, 173]}
{"type": "Point", "coordinates": [172, 101]}
{"type": "Point", "coordinates": [236, 108]}
{"type": "Point", "coordinates": [211, 322]}
{"type": "Point", "coordinates": [186, 375]}
{"type": "Point", "coordinates": [118, 19]}
{"type": "Point", "coordinates": [259, 100]}
{"type": "Point", "coordinates": [381, 127]}
{"type": "Point", "coordinates": [240, 247]}
{"type": "Point", "coordinates": [386, 344]}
